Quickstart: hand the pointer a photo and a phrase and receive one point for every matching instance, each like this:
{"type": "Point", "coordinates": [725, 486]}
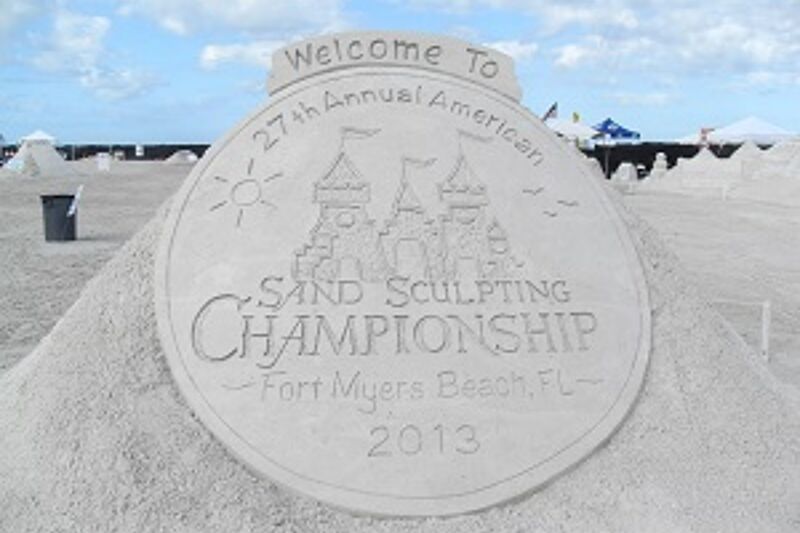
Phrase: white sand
{"type": "Point", "coordinates": [96, 437]}
{"type": "Point", "coordinates": [771, 176]}
{"type": "Point", "coordinates": [38, 280]}
{"type": "Point", "coordinates": [739, 253]}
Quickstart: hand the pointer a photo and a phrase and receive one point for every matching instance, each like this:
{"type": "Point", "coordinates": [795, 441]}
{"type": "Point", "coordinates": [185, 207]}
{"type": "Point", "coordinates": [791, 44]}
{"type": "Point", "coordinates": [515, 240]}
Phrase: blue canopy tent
{"type": "Point", "coordinates": [614, 133]}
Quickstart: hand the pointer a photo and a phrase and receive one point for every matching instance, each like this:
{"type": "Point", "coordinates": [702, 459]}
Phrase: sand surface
{"type": "Point", "coordinates": [39, 280]}
{"type": "Point", "coordinates": [739, 253]}
{"type": "Point", "coordinates": [711, 446]}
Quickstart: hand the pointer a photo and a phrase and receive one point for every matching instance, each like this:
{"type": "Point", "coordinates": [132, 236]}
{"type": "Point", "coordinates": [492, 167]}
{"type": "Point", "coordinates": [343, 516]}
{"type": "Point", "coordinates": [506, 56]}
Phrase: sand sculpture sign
{"type": "Point", "coordinates": [393, 290]}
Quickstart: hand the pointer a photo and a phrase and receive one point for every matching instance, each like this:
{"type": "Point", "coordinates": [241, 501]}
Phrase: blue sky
{"type": "Point", "coordinates": [150, 71]}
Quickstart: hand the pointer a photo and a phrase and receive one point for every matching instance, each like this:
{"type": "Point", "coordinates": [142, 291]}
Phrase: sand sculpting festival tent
{"type": "Point", "coordinates": [38, 136]}
{"type": "Point", "coordinates": [37, 156]}
{"type": "Point", "coordinates": [256, 358]}
{"type": "Point", "coordinates": [182, 157]}
{"type": "Point", "coordinates": [572, 130]}
{"type": "Point", "coordinates": [612, 133]}
{"type": "Point", "coordinates": [751, 129]}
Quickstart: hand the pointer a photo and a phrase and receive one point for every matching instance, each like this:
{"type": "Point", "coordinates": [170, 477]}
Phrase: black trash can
{"type": "Point", "coordinates": [58, 225]}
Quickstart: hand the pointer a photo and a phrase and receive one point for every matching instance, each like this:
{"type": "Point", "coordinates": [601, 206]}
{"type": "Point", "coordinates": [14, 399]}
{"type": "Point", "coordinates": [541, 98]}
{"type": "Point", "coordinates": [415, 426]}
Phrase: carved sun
{"type": "Point", "coordinates": [244, 193]}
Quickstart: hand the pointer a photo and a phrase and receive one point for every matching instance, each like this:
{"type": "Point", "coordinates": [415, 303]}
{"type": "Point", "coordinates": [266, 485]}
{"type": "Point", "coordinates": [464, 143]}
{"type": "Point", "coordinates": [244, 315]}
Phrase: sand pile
{"type": "Point", "coordinates": [182, 157]}
{"type": "Point", "coordinates": [746, 160]}
{"type": "Point", "coordinates": [96, 437]}
{"type": "Point", "coordinates": [703, 173]}
{"type": "Point", "coordinates": [39, 159]}
{"type": "Point", "coordinates": [783, 152]}
{"type": "Point", "coordinates": [748, 150]}
{"type": "Point", "coordinates": [771, 176]}
{"type": "Point", "coordinates": [774, 177]}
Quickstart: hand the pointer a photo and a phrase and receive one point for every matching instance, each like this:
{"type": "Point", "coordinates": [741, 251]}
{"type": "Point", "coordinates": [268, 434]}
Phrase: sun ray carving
{"type": "Point", "coordinates": [245, 193]}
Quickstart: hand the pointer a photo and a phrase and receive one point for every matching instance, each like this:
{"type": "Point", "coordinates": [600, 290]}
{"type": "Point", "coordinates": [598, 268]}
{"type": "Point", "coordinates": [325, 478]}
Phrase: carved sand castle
{"type": "Point", "coordinates": [461, 242]}
{"type": "Point", "coordinates": [97, 434]}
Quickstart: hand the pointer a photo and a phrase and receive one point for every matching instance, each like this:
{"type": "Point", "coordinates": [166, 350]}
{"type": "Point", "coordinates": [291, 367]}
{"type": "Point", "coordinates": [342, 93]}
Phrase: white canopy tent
{"type": "Point", "coordinates": [39, 159]}
{"type": "Point", "coordinates": [692, 138]}
{"type": "Point", "coordinates": [37, 156]}
{"type": "Point", "coordinates": [38, 136]}
{"type": "Point", "coordinates": [571, 130]}
{"type": "Point", "coordinates": [750, 129]}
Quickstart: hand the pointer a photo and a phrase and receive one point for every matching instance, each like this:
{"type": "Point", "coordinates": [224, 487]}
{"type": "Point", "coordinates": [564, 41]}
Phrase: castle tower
{"type": "Point", "coordinates": [344, 242]}
{"type": "Point", "coordinates": [500, 263]}
{"type": "Point", "coordinates": [462, 188]}
{"type": "Point", "coordinates": [472, 246]}
{"type": "Point", "coordinates": [411, 237]}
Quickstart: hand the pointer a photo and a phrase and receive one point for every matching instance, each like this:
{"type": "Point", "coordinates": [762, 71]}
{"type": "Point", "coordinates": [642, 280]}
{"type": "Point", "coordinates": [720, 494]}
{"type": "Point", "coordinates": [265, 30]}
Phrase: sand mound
{"type": "Point", "coordinates": [783, 152]}
{"type": "Point", "coordinates": [96, 437]}
{"type": "Point", "coordinates": [748, 150]}
{"type": "Point", "coordinates": [39, 159]}
{"type": "Point", "coordinates": [771, 176]}
{"type": "Point", "coordinates": [182, 157]}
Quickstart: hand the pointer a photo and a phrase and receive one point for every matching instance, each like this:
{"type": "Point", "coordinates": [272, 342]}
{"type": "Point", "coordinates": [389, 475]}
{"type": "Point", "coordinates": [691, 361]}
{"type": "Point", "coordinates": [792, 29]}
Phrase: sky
{"type": "Point", "coordinates": [186, 71]}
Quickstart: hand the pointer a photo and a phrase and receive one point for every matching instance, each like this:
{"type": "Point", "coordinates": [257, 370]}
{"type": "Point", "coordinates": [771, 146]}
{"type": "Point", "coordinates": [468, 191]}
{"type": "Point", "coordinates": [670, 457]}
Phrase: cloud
{"type": "Point", "coordinates": [265, 27]}
{"type": "Point", "coordinates": [736, 37]}
{"type": "Point", "coordinates": [75, 47]}
{"type": "Point", "coordinates": [765, 80]}
{"type": "Point", "coordinates": [256, 53]}
{"type": "Point", "coordinates": [553, 16]}
{"type": "Point", "coordinates": [556, 17]}
{"type": "Point", "coordinates": [117, 84]}
{"type": "Point", "coordinates": [14, 12]}
{"type": "Point", "coordinates": [599, 50]}
{"type": "Point", "coordinates": [276, 17]}
{"type": "Point", "coordinates": [572, 55]}
{"type": "Point", "coordinates": [649, 99]}
{"type": "Point", "coordinates": [517, 50]}
{"type": "Point", "coordinates": [75, 43]}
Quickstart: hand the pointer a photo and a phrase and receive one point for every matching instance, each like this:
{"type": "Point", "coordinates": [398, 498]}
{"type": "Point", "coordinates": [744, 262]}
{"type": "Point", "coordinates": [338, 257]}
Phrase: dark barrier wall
{"type": "Point", "coordinates": [151, 151]}
{"type": "Point", "coordinates": [645, 153]}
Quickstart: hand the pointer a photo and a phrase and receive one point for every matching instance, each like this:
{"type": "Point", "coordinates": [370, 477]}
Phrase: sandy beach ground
{"type": "Point", "coordinates": [39, 280]}
{"type": "Point", "coordinates": [740, 253]}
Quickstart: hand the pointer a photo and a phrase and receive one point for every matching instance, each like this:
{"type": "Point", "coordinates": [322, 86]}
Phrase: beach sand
{"type": "Point", "coordinates": [39, 280]}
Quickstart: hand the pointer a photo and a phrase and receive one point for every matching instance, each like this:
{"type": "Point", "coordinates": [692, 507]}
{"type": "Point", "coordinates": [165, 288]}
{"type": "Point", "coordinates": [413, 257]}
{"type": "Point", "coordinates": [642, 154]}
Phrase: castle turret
{"type": "Point", "coordinates": [342, 184]}
{"type": "Point", "coordinates": [462, 187]}
{"type": "Point", "coordinates": [410, 226]}
{"type": "Point", "coordinates": [472, 245]}
{"type": "Point", "coordinates": [345, 240]}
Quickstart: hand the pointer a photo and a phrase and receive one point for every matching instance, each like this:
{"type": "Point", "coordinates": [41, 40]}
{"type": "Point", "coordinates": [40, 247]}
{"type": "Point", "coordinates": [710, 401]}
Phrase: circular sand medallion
{"type": "Point", "coordinates": [395, 291]}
